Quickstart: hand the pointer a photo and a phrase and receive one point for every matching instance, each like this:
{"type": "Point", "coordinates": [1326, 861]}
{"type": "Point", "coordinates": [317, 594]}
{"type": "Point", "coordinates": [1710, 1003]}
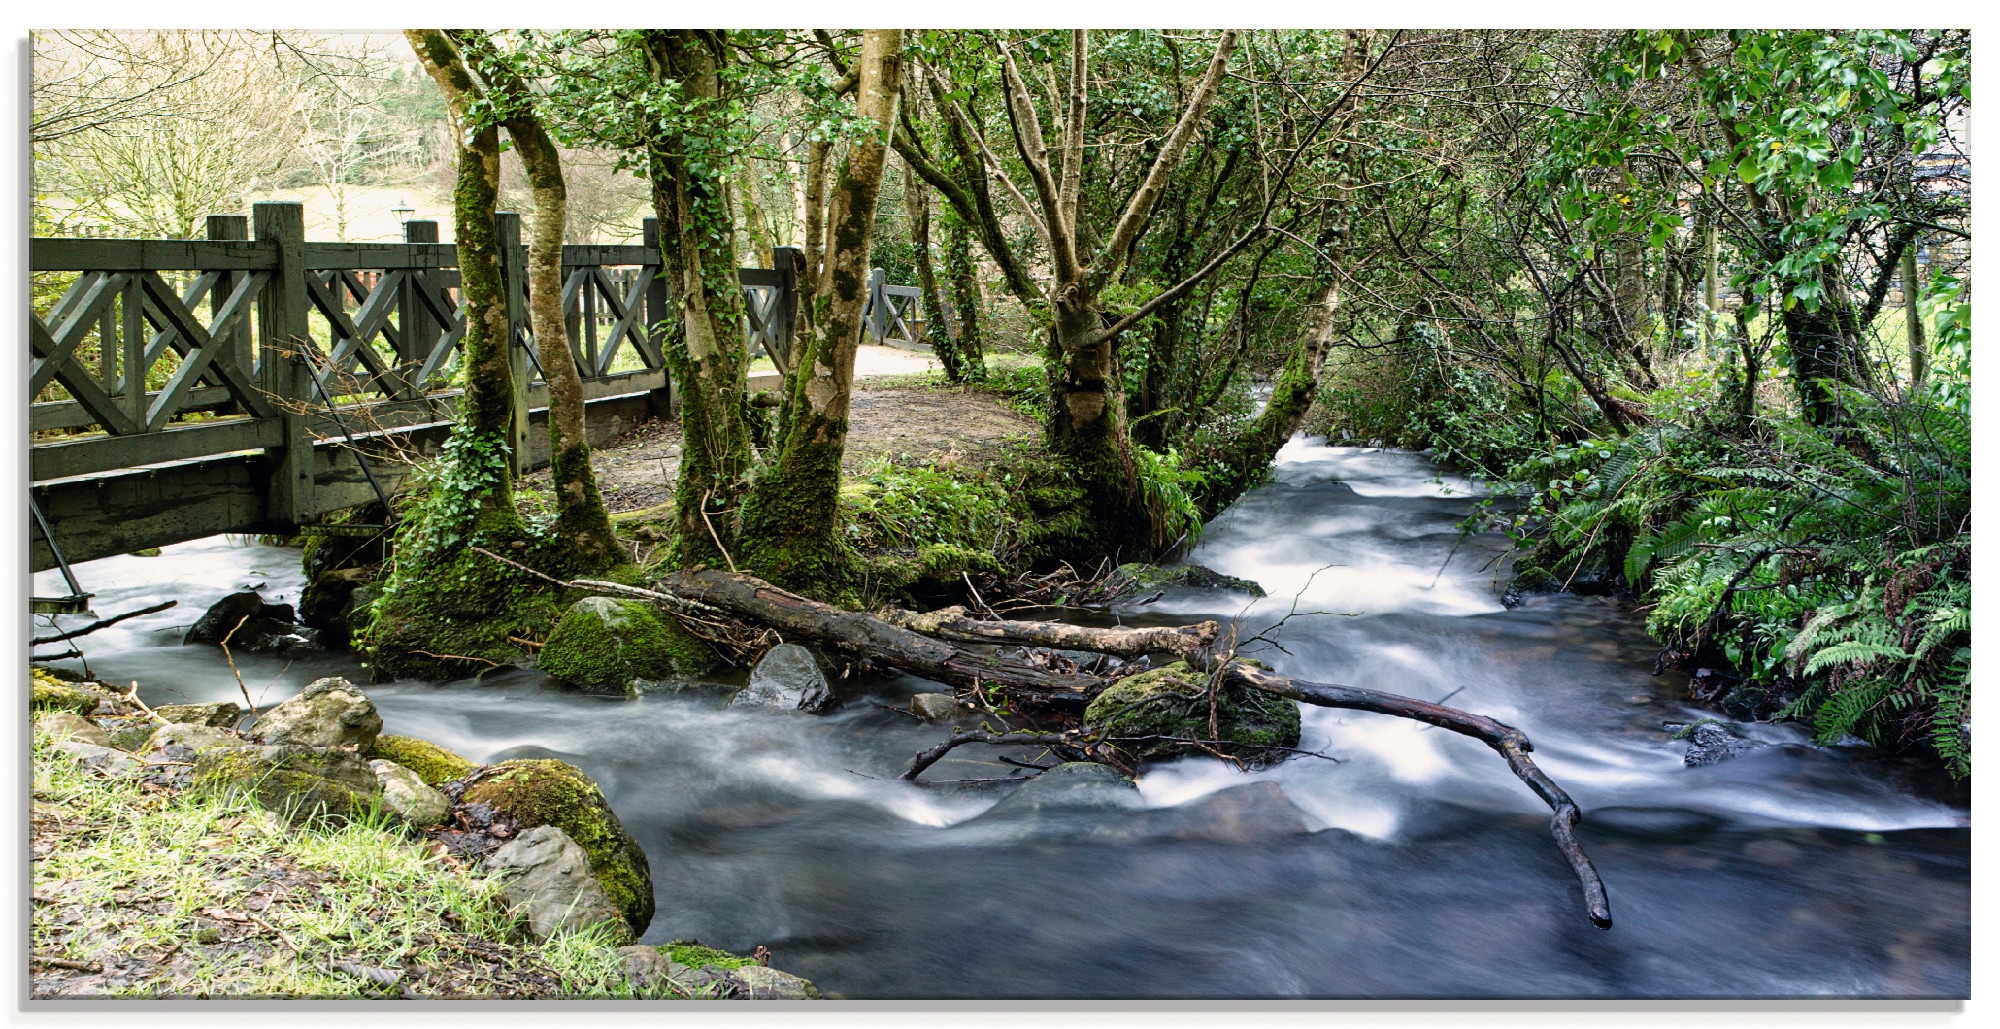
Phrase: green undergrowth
{"type": "Point", "coordinates": [211, 896]}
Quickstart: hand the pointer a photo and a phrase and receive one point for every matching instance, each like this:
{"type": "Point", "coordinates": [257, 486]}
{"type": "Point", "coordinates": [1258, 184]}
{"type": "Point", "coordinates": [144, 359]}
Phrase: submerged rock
{"type": "Point", "coordinates": [537, 793]}
{"type": "Point", "coordinates": [1710, 742]}
{"type": "Point", "coordinates": [250, 624]}
{"type": "Point", "coordinates": [788, 678]}
{"type": "Point", "coordinates": [1249, 813]}
{"type": "Point", "coordinates": [1128, 581]}
{"type": "Point", "coordinates": [1173, 701]}
{"type": "Point", "coordinates": [606, 645]}
{"type": "Point", "coordinates": [547, 882]}
{"type": "Point", "coordinates": [433, 764]}
{"type": "Point", "coordinates": [406, 795]}
{"type": "Point", "coordinates": [300, 783]}
{"type": "Point", "coordinates": [329, 712]}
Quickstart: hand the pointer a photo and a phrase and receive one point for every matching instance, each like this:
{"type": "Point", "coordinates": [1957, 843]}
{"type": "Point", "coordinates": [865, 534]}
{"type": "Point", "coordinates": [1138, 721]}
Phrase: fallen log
{"type": "Point", "coordinates": [953, 623]}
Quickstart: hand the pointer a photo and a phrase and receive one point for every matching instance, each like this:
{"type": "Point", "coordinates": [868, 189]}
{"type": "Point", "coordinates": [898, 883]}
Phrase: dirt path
{"type": "Point", "coordinates": [890, 418]}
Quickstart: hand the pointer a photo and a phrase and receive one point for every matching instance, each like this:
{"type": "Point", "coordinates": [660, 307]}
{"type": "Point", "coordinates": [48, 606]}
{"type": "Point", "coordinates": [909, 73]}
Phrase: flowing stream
{"type": "Point", "coordinates": [1426, 869]}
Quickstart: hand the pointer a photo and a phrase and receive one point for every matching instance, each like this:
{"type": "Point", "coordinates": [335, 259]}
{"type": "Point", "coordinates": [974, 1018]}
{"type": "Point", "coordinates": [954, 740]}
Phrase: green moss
{"type": "Point", "coordinates": [466, 606]}
{"type": "Point", "coordinates": [602, 644]}
{"type": "Point", "coordinates": [301, 783]}
{"type": "Point", "coordinates": [694, 954]}
{"type": "Point", "coordinates": [551, 792]}
{"type": "Point", "coordinates": [1173, 701]}
{"type": "Point", "coordinates": [49, 694]}
{"type": "Point", "coordinates": [433, 764]}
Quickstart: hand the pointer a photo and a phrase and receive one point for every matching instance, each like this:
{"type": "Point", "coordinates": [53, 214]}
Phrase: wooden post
{"type": "Point", "coordinates": [234, 345]}
{"type": "Point", "coordinates": [132, 333]}
{"type": "Point", "coordinates": [419, 329]}
{"type": "Point", "coordinates": [658, 309]}
{"type": "Point", "coordinates": [514, 279]}
{"type": "Point", "coordinates": [282, 369]}
{"type": "Point", "coordinates": [878, 305]}
{"type": "Point", "coordinates": [788, 261]}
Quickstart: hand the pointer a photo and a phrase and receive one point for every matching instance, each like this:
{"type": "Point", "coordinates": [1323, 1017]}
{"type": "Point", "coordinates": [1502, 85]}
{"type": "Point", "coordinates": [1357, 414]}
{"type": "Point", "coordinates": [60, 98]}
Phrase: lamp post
{"type": "Point", "coordinates": [402, 211]}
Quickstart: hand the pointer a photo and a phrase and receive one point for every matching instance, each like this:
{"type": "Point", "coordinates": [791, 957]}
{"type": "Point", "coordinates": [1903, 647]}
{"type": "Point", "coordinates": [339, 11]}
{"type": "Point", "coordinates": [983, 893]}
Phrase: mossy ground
{"type": "Point", "coordinates": [159, 893]}
{"type": "Point", "coordinates": [550, 792]}
{"type": "Point", "coordinates": [1173, 701]}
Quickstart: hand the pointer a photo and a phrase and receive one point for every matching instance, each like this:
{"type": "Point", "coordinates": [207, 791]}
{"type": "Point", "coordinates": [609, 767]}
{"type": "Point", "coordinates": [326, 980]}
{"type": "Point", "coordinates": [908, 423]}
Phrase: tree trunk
{"type": "Point", "coordinates": [698, 252]}
{"type": "Point", "coordinates": [790, 522]}
{"type": "Point", "coordinates": [756, 220]}
{"type": "Point", "coordinates": [1249, 452]}
{"type": "Point", "coordinates": [486, 414]}
{"type": "Point", "coordinates": [967, 299]}
{"type": "Point", "coordinates": [941, 341]}
{"type": "Point", "coordinates": [583, 527]}
{"type": "Point", "coordinates": [1912, 319]}
{"type": "Point", "coordinates": [1823, 353]}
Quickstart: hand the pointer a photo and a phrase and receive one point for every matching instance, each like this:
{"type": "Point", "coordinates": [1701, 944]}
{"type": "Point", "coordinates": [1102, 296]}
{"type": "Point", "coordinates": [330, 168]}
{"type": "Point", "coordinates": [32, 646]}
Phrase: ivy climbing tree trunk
{"type": "Point", "coordinates": [914, 198]}
{"type": "Point", "coordinates": [967, 300]}
{"type": "Point", "coordinates": [583, 527]}
{"type": "Point", "coordinates": [486, 413]}
{"type": "Point", "coordinates": [690, 194]}
{"type": "Point", "coordinates": [790, 522]}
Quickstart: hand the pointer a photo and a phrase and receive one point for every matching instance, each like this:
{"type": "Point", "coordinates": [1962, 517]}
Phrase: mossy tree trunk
{"type": "Point", "coordinates": [486, 413]}
{"type": "Point", "coordinates": [790, 522]}
{"type": "Point", "coordinates": [690, 194]}
{"type": "Point", "coordinates": [583, 527]}
{"type": "Point", "coordinates": [966, 299]}
{"type": "Point", "coordinates": [1248, 453]}
{"type": "Point", "coordinates": [917, 202]}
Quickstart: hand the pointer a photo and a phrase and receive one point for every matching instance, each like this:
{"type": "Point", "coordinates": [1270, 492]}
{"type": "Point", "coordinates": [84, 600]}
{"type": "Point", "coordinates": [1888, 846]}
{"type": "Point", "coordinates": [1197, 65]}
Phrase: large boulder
{"type": "Point", "coordinates": [787, 678]}
{"type": "Point", "coordinates": [433, 764]}
{"type": "Point", "coordinates": [1173, 701]}
{"type": "Point", "coordinates": [248, 623]}
{"type": "Point", "coordinates": [219, 715]}
{"type": "Point", "coordinates": [619, 647]}
{"type": "Point", "coordinates": [329, 712]}
{"type": "Point", "coordinates": [549, 792]}
{"type": "Point", "coordinates": [1129, 581]}
{"type": "Point", "coordinates": [406, 795]}
{"type": "Point", "coordinates": [299, 783]}
{"type": "Point", "coordinates": [68, 725]}
{"type": "Point", "coordinates": [546, 881]}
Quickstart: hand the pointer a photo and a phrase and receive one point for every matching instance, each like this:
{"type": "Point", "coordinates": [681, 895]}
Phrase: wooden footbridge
{"type": "Point", "coordinates": [254, 382]}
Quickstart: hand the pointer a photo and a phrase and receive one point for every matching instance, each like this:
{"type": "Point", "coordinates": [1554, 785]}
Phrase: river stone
{"type": "Point", "coordinates": [1130, 580]}
{"type": "Point", "coordinates": [547, 881]}
{"type": "Point", "coordinates": [1173, 701]}
{"type": "Point", "coordinates": [787, 678]}
{"type": "Point", "coordinates": [433, 764]}
{"type": "Point", "coordinates": [219, 715]}
{"type": "Point", "coordinates": [1071, 786]}
{"type": "Point", "coordinates": [605, 645]}
{"type": "Point", "coordinates": [73, 726]}
{"type": "Point", "coordinates": [406, 794]}
{"type": "Point", "coordinates": [194, 737]}
{"type": "Point", "coordinates": [1711, 742]}
{"type": "Point", "coordinates": [298, 782]}
{"type": "Point", "coordinates": [264, 628]}
{"type": "Point", "coordinates": [1250, 813]}
{"type": "Point", "coordinates": [934, 707]}
{"type": "Point", "coordinates": [108, 760]}
{"type": "Point", "coordinates": [536, 793]}
{"type": "Point", "coordinates": [329, 712]}
{"type": "Point", "coordinates": [761, 983]}
{"type": "Point", "coordinates": [648, 968]}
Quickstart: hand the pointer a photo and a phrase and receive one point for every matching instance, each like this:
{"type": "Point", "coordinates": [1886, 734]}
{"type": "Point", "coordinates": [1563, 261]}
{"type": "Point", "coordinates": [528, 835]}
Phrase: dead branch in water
{"type": "Point", "coordinates": [102, 623]}
{"type": "Point", "coordinates": [955, 624]}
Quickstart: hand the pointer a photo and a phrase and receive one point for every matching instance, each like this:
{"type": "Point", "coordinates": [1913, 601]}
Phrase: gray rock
{"type": "Point", "coordinates": [1710, 742]}
{"type": "Point", "coordinates": [298, 782]}
{"type": "Point", "coordinates": [219, 715]}
{"type": "Point", "coordinates": [407, 795]}
{"type": "Point", "coordinates": [787, 678]}
{"type": "Point", "coordinates": [250, 624]}
{"type": "Point", "coordinates": [1252, 812]}
{"type": "Point", "coordinates": [73, 726]}
{"type": "Point", "coordinates": [761, 983]}
{"type": "Point", "coordinates": [647, 967]}
{"type": "Point", "coordinates": [934, 707]}
{"type": "Point", "coordinates": [194, 737]}
{"type": "Point", "coordinates": [108, 760]}
{"type": "Point", "coordinates": [547, 882]}
{"type": "Point", "coordinates": [330, 712]}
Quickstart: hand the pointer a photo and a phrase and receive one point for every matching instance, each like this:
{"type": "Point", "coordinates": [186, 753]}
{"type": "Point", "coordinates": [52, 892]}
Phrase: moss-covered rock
{"type": "Point", "coordinates": [47, 693]}
{"type": "Point", "coordinates": [1173, 701]}
{"type": "Point", "coordinates": [219, 715]}
{"type": "Point", "coordinates": [298, 782]}
{"type": "Point", "coordinates": [433, 764]}
{"type": "Point", "coordinates": [1130, 580]}
{"type": "Point", "coordinates": [467, 606]}
{"type": "Point", "coordinates": [550, 792]}
{"type": "Point", "coordinates": [695, 954]}
{"type": "Point", "coordinates": [604, 645]}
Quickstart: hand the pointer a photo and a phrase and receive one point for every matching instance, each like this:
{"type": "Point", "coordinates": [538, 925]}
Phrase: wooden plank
{"type": "Point", "coordinates": [68, 414]}
{"type": "Point", "coordinates": [97, 517]}
{"type": "Point", "coordinates": [121, 255]}
{"type": "Point", "coordinates": [614, 254]}
{"type": "Point", "coordinates": [95, 454]}
{"type": "Point", "coordinates": [386, 256]}
{"type": "Point", "coordinates": [760, 277]}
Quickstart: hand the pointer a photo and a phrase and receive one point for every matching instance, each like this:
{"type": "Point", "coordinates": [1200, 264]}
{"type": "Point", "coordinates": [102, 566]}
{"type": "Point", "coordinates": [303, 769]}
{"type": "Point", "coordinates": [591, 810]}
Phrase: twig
{"type": "Point", "coordinates": [100, 624]}
{"type": "Point", "coordinates": [602, 586]}
{"type": "Point", "coordinates": [712, 534]}
{"type": "Point", "coordinates": [457, 657]}
{"type": "Point", "coordinates": [74, 966]}
{"type": "Point", "coordinates": [231, 658]}
{"type": "Point", "coordinates": [133, 699]}
{"type": "Point", "coordinates": [64, 656]}
{"type": "Point", "coordinates": [526, 643]}
{"type": "Point", "coordinates": [275, 931]}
